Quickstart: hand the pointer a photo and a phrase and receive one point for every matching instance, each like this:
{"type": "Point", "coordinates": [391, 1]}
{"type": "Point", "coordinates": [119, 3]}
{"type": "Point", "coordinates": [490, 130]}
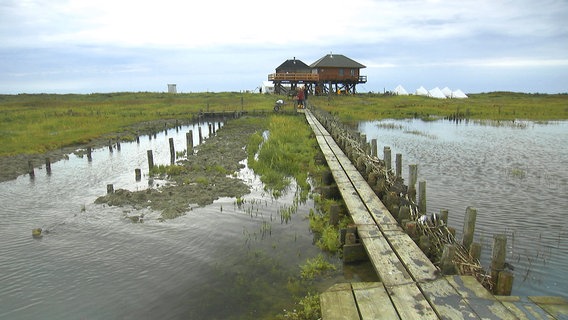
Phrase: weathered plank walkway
{"type": "Point", "coordinates": [410, 287]}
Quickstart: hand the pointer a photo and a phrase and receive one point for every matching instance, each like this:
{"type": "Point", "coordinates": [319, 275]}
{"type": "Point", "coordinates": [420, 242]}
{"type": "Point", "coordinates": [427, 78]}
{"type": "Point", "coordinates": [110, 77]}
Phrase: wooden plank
{"type": "Point", "coordinates": [373, 301]}
{"type": "Point", "coordinates": [415, 261]}
{"type": "Point", "coordinates": [481, 301]}
{"type": "Point", "coordinates": [338, 303]}
{"type": "Point", "coordinates": [389, 268]}
{"type": "Point", "coordinates": [410, 303]}
{"type": "Point", "coordinates": [556, 306]}
{"type": "Point", "coordinates": [523, 308]}
{"type": "Point", "coordinates": [446, 300]}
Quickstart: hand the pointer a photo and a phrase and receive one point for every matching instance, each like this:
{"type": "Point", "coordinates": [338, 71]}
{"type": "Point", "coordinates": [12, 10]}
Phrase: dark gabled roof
{"type": "Point", "coordinates": [293, 64]}
{"type": "Point", "coordinates": [333, 60]}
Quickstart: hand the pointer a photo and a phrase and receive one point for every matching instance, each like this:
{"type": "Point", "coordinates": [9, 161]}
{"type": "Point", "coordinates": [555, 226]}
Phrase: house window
{"type": "Point", "coordinates": [352, 72]}
{"type": "Point", "coordinates": [341, 72]}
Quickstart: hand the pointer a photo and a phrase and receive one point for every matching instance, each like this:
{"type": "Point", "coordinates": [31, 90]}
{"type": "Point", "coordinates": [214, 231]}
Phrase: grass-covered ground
{"type": "Point", "coordinates": [33, 124]}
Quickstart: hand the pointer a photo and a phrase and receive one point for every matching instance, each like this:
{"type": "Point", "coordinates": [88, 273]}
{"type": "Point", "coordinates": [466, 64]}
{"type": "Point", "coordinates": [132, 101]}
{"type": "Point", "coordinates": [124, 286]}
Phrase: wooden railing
{"type": "Point", "coordinates": [293, 77]}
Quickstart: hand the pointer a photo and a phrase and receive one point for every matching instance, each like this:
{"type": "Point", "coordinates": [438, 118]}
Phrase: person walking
{"type": "Point", "coordinates": [301, 98]}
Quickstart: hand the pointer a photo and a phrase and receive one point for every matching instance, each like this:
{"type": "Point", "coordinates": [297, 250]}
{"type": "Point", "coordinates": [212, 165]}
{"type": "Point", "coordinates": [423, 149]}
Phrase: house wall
{"type": "Point", "coordinates": [338, 74]}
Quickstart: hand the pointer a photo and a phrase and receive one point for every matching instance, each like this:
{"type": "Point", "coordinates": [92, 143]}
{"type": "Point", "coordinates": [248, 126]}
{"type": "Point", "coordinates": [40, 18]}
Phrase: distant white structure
{"type": "Point", "coordinates": [458, 94]}
{"type": "Point", "coordinates": [436, 93]}
{"type": "Point", "coordinates": [421, 91]}
{"type": "Point", "coordinates": [172, 88]}
{"type": "Point", "coordinates": [447, 92]}
{"type": "Point", "coordinates": [400, 91]}
{"type": "Point", "coordinates": [267, 87]}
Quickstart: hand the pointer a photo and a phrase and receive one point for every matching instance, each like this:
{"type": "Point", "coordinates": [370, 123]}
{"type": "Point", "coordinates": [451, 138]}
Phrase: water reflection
{"type": "Point", "coordinates": [213, 262]}
{"type": "Point", "coordinates": [514, 173]}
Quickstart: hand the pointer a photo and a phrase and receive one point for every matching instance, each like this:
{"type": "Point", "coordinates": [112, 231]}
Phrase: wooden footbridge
{"type": "Point", "coordinates": [411, 286]}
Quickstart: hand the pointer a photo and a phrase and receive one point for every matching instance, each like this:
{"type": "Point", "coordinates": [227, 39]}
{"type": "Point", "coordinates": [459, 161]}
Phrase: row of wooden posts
{"type": "Point", "coordinates": [116, 145]}
{"type": "Point", "coordinates": [411, 212]}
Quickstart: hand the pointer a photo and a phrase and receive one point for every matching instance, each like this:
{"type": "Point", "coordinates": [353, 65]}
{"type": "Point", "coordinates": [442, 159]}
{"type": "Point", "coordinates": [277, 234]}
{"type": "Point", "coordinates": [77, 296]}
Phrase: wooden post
{"type": "Point", "coordinates": [118, 145]}
{"type": "Point", "coordinates": [110, 189]}
{"type": "Point", "coordinates": [89, 154]}
{"type": "Point", "coordinates": [334, 215]}
{"type": "Point", "coordinates": [469, 226]}
{"type": "Point", "coordinates": [374, 147]}
{"type": "Point", "coordinates": [444, 216]}
{"type": "Point", "coordinates": [399, 165]}
{"type": "Point", "coordinates": [48, 165]}
{"type": "Point", "coordinates": [387, 158]}
{"type": "Point", "coordinates": [475, 250]}
{"type": "Point", "coordinates": [422, 197]}
{"type": "Point", "coordinates": [210, 129]}
{"type": "Point", "coordinates": [504, 283]}
{"type": "Point", "coordinates": [503, 279]}
{"type": "Point", "coordinates": [498, 255]}
{"type": "Point", "coordinates": [138, 174]}
{"type": "Point", "coordinates": [447, 261]}
{"type": "Point", "coordinates": [403, 213]}
{"type": "Point", "coordinates": [200, 136]}
{"type": "Point", "coordinates": [110, 146]}
{"type": "Point", "coordinates": [172, 151]}
{"type": "Point", "coordinates": [150, 160]}
{"type": "Point", "coordinates": [412, 177]}
{"type": "Point", "coordinates": [189, 142]}
{"type": "Point", "coordinates": [31, 169]}
{"type": "Point", "coordinates": [213, 127]}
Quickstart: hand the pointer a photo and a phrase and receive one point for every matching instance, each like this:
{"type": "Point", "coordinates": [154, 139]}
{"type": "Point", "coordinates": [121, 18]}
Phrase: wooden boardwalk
{"type": "Point", "coordinates": [411, 286]}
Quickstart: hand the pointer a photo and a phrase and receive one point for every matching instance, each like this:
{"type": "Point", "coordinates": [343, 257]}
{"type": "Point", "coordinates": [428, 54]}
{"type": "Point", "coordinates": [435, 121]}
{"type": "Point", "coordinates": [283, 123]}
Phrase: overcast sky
{"type": "Point", "coordinates": [85, 46]}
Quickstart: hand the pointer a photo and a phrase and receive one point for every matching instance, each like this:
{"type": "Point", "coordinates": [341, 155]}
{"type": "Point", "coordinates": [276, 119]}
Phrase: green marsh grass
{"type": "Point", "coordinates": [31, 124]}
{"type": "Point", "coordinates": [288, 153]}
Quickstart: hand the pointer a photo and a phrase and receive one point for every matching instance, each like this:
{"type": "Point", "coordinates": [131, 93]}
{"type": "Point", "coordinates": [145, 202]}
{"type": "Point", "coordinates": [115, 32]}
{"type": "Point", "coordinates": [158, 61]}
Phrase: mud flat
{"type": "Point", "coordinates": [200, 179]}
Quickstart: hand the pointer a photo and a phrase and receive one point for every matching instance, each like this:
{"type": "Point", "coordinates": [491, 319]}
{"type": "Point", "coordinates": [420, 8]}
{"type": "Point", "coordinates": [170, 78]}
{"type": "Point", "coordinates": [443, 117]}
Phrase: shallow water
{"type": "Point", "coordinates": [217, 262]}
{"type": "Point", "coordinates": [514, 173]}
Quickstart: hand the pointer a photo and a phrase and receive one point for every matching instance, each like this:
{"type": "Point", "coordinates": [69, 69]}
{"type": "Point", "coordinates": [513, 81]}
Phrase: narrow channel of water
{"type": "Point", "coordinates": [221, 261]}
{"type": "Point", "coordinates": [514, 173]}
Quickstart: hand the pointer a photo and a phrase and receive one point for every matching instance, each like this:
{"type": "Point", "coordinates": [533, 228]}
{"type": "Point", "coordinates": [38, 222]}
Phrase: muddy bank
{"type": "Point", "coordinates": [201, 178]}
{"type": "Point", "coordinates": [13, 166]}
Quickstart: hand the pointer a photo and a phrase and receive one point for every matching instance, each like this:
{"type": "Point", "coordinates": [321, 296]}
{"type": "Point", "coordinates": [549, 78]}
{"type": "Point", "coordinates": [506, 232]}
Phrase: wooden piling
{"type": "Point", "coordinates": [412, 177]}
{"type": "Point", "coordinates": [422, 197]}
{"type": "Point", "coordinates": [48, 165]}
{"type": "Point", "coordinates": [399, 165]}
{"type": "Point", "coordinates": [447, 265]}
{"type": "Point", "coordinates": [138, 174]}
{"type": "Point", "coordinates": [469, 226]}
{"type": "Point", "coordinates": [504, 283]}
{"type": "Point", "coordinates": [444, 216]}
{"type": "Point", "coordinates": [172, 151]}
{"type": "Point", "coordinates": [31, 169]}
{"type": "Point", "coordinates": [498, 256]}
{"type": "Point", "coordinates": [150, 160]}
{"type": "Point", "coordinates": [210, 129]}
{"type": "Point", "coordinates": [89, 154]}
{"type": "Point", "coordinates": [118, 146]}
{"type": "Point", "coordinates": [200, 136]}
{"type": "Point", "coordinates": [403, 213]}
{"type": "Point", "coordinates": [387, 158]}
{"type": "Point", "coordinates": [374, 148]}
{"type": "Point", "coordinates": [110, 189]}
{"type": "Point", "coordinates": [189, 142]}
{"type": "Point", "coordinates": [475, 250]}
{"type": "Point", "coordinates": [110, 146]}
{"type": "Point", "coordinates": [334, 215]}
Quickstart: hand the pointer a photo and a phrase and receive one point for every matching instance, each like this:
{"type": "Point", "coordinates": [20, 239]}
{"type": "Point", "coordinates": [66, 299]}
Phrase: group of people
{"type": "Point", "coordinates": [302, 96]}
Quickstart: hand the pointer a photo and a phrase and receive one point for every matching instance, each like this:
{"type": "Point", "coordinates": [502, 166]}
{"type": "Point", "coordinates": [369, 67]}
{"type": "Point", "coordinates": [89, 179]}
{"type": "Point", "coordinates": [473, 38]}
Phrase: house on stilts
{"type": "Point", "coordinates": [333, 73]}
